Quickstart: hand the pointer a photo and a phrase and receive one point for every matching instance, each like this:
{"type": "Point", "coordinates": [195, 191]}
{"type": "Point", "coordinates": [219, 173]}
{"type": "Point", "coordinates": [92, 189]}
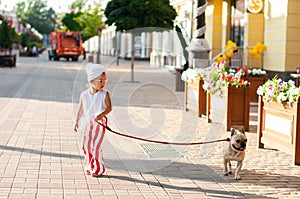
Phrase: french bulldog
{"type": "Point", "coordinates": [235, 150]}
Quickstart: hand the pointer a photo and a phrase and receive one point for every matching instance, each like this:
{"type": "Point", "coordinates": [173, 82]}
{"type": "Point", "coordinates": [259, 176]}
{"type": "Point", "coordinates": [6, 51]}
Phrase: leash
{"type": "Point", "coordinates": [157, 141]}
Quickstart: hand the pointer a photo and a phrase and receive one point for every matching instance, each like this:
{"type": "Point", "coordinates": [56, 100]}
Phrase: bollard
{"type": "Point", "coordinates": [91, 58]}
{"type": "Point", "coordinates": [179, 83]}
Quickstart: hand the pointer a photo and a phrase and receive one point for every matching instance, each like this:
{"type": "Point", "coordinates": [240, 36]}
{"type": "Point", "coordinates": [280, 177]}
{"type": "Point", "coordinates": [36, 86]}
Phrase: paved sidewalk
{"type": "Point", "coordinates": [40, 156]}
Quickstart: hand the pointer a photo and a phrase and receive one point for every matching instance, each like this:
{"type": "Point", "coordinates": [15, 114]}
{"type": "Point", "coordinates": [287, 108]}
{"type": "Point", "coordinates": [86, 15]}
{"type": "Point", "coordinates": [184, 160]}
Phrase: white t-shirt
{"type": "Point", "coordinates": [93, 105]}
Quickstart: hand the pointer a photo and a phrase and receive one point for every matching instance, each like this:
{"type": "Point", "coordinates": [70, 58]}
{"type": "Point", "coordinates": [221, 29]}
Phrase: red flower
{"type": "Point", "coordinates": [244, 69]}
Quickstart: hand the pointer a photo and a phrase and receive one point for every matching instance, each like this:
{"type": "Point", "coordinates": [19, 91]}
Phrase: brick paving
{"type": "Point", "coordinates": [40, 156]}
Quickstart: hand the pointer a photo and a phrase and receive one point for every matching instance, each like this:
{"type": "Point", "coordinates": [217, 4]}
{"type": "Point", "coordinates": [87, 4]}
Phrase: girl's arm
{"type": "Point", "coordinates": [108, 107]}
{"type": "Point", "coordinates": [79, 115]}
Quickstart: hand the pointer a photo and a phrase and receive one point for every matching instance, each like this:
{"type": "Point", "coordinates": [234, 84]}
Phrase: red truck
{"type": "Point", "coordinates": [65, 44]}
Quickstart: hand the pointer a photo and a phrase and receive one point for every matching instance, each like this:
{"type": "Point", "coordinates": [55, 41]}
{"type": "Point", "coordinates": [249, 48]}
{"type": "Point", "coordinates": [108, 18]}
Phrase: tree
{"type": "Point", "coordinates": [128, 15]}
{"type": "Point", "coordinates": [35, 13]}
{"type": "Point", "coordinates": [88, 22]}
{"type": "Point", "coordinates": [68, 20]}
{"type": "Point", "coordinates": [91, 22]}
{"type": "Point", "coordinates": [7, 34]}
{"type": "Point", "coordinates": [25, 40]}
{"type": "Point", "coordinates": [131, 14]}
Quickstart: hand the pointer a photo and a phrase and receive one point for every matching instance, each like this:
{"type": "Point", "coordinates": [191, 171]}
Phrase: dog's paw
{"type": "Point", "coordinates": [237, 177]}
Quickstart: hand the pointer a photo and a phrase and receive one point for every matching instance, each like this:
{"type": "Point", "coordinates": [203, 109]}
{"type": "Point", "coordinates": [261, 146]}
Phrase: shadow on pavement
{"type": "Point", "coordinates": [212, 192]}
{"type": "Point", "coordinates": [195, 172]}
{"type": "Point", "coordinates": [39, 152]}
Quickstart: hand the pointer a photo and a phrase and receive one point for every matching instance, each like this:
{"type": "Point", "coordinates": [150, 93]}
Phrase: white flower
{"type": "Point", "coordinates": [291, 82]}
{"type": "Point", "coordinates": [270, 92]}
{"type": "Point", "coordinates": [260, 90]}
{"type": "Point", "coordinates": [205, 86]}
{"type": "Point", "coordinates": [281, 97]}
{"type": "Point", "coordinates": [277, 90]}
{"type": "Point", "coordinates": [184, 76]}
{"type": "Point", "coordinates": [256, 72]}
{"type": "Point", "coordinates": [231, 70]}
{"type": "Point", "coordinates": [263, 72]}
{"type": "Point", "coordinates": [296, 91]}
{"type": "Point", "coordinates": [190, 75]}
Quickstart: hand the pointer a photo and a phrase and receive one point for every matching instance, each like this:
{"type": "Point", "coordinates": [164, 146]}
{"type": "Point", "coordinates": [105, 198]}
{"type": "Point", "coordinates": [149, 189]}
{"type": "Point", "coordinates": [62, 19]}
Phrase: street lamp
{"type": "Point", "coordinates": [199, 48]}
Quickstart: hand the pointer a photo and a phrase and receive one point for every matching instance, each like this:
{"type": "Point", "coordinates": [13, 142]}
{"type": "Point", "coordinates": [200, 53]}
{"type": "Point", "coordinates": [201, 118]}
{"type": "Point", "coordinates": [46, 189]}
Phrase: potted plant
{"type": "Point", "coordinates": [7, 38]}
{"type": "Point", "coordinates": [194, 94]}
{"type": "Point", "coordinates": [279, 116]}
{"type": "Point", "coordinates": [256, 77]}
{"type": "Point", "coordinates": [228, 96]}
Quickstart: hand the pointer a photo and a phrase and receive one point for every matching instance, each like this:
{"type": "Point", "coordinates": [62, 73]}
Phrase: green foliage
{"type": "Point", "coordinates": [77, 4]}
{"type": "Point", "coordinates": [68, 20]}
{"type": "Point", "coordinates": [36, 44]}
{"type": "Point", "coordinates": [35, 13]}
{"type": "Point", "coordinates": [25, 40]}
{"type": "Point", "coordinates": [7, 34]}
{"type": "Point", "coordinates": [89, 22]}
{"type": "Point", "coordinates": [131, 14]}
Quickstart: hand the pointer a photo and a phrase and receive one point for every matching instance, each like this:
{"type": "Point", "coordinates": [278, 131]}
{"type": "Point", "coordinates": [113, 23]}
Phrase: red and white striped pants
{"type": "Point", "coordinates": [91, 146]}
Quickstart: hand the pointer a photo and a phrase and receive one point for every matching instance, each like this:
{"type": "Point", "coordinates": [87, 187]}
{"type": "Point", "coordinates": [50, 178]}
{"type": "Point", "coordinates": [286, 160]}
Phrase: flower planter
{"type": "Point", "coordinates": [195, 97]}
{"type": "Point", "coordinates": [8, 60]}
{"type": "Point", "coordinates": [217, 109]}
{"type": "Point", "coordinates": [279, 127]}
{"type": "Point", "coordinates": [232, 109]}
{"type": "Point", "coordinates": [255, 82]}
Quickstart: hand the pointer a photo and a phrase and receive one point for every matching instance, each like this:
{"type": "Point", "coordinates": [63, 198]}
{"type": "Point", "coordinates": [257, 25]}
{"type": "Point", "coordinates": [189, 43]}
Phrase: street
{"type": "Point", "coordinates": [41, 157]}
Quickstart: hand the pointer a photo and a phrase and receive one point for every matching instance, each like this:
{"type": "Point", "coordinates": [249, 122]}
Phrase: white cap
{"type": "Point", "coordinates": [93, 71]}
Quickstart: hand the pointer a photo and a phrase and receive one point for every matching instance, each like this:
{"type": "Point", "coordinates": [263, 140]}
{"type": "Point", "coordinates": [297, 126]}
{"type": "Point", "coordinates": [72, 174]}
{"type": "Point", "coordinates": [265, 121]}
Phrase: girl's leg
{"type": "Point", "coordinates": [98, 162]}
{"type": "Point", "coordinates": [87, 148]}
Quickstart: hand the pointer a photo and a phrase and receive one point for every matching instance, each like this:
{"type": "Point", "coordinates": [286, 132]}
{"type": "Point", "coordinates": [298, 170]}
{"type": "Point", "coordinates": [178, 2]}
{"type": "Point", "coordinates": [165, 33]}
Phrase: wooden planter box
{"type": "Point", "coordinates": [233, 109]}
{"type": "Point", "coordinates": [279, 127]}
{"type": "Point", "coordinates": [8, 60]}
{"type": "Point", "coordinates": [195, 97]}
{"type": "Point", "coordinates": [255, 82]}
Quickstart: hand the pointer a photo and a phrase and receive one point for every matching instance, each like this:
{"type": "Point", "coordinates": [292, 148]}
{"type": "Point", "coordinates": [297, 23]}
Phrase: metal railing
{"type": "Point", "coordinates": [237, 58]}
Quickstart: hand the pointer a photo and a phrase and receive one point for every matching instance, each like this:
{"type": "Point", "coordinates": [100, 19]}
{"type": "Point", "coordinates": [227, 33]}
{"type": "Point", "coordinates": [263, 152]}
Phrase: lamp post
{"type": "Point", "coordinates": [199, 48]}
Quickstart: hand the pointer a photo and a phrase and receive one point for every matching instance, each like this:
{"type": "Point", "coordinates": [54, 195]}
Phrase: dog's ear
{"type": "Point", "coordinates": [232, 130]}
{"type": "Point", "coordinates": [243, 130]}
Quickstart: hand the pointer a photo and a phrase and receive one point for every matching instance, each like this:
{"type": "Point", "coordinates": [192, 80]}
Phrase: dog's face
{"type": "Point", "coordinates": [238, 140]}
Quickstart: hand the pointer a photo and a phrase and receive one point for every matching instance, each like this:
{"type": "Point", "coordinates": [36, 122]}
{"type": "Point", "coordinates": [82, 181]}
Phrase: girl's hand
{"type": "Point", "coordinates": [75, 128]}
{"type": "Point", "coordinates": [99, 117]}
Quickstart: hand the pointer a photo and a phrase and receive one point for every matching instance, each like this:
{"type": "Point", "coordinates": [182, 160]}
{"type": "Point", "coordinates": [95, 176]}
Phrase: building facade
{"type": "Point", "coordinates": [274, 23]}
{"type": "Point", "coordinates": [247, 22]}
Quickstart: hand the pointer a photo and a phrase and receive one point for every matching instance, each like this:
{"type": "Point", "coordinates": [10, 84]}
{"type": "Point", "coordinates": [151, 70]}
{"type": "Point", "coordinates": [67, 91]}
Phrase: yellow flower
{"type": "Point", "coordinates": [257, 50]}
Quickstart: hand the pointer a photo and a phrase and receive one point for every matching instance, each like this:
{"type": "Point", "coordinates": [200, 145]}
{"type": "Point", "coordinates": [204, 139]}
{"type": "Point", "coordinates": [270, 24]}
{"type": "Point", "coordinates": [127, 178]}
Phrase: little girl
{"type": "Point", "coordinates": [94, 104]}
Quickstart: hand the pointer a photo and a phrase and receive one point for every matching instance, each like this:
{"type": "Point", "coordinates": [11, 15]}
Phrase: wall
{"type": "Point", "coordinates": [275, 35]}
{"type": "Point", "coordinates": [254, 33]}
{"type": "Point", "coordinates": [292, 36]}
